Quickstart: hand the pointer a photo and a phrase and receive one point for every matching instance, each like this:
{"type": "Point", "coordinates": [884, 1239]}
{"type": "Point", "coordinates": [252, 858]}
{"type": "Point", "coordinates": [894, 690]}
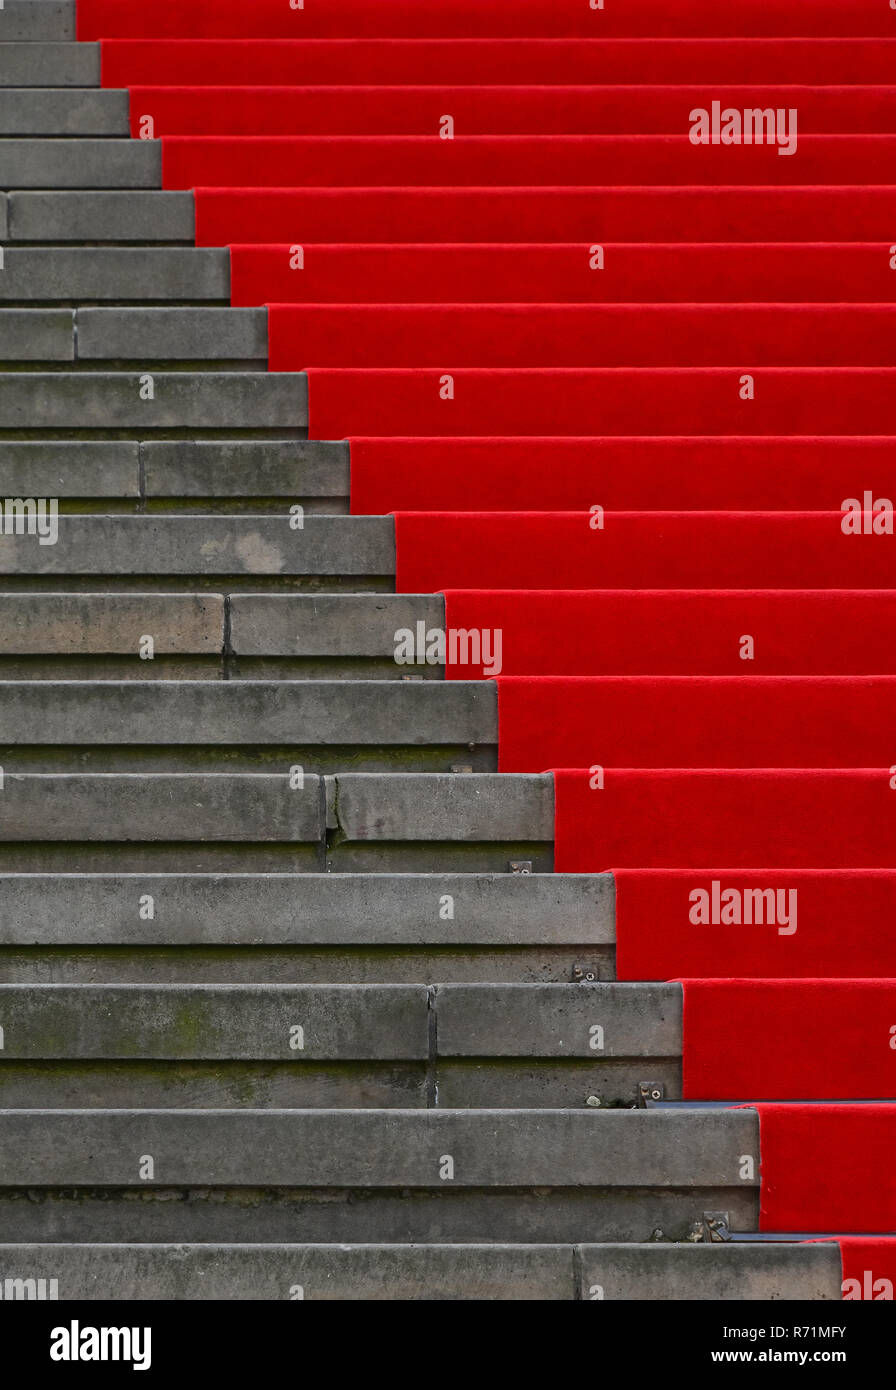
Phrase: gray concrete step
{"type": "Point", "coordinates": [78, 275]}
{"type": "Point", "coordinates": [338, 910]}
{"type": "Point", "coordinates": [71, 469]}
{"type": "Point", "coordinates": [436, 821]}
{"type": "Point", "coordinates": [179, 475]}
{"type": "Point", "coordinates": [31, 111]}
{"type": "Point", "coordinates": [135, 216]}
{"type": "Point", "coordinates": [366, 1149]}
{"type": "Point", "coordinates": [347, 636]}
{"type": "Point", "coordinates": [201, 822]}
{"type": "Point", "coordinates": [49, 63]}
{"type": "Point", "coordinates": [173, 335]}
{"type": "Point", "coordinates": [52, 636]}
{"type": "Point", "coordinates": [195, 474]}
{"type": "Point", "coordinates": [108, 401]}
{"type": "Point", "coordinates": [37, 20]}
{"type": "Point", "coordinates": [591, 1021]}
{"type": "Point", "coordinates": [68, 335]}
{"type": "Point", "coordinates": [307, 928]}
{"type": "Point", "coordinates": [80, 163]}
{"type": "Point", "coordinates": [340, 1022]}
{"type": "Point", "coordinates": [394, 1176]}
{"type": "Point", "coordinates": [186, 822]}
{"type": "Point", "coordinates": [311, 1046]}
{"type": "Point", "coordinates": [336, 551]}
{"type": "Point", "coordinates": [736, 1272]}
{"type": "Point", "coordinates": [37, 335]}
{"type": "Point", "coordinates": [170, 335]}
{"type": "Point", "coordinates": [230, 726]}
{"type": "Point", "coordinates": [208, 1022]}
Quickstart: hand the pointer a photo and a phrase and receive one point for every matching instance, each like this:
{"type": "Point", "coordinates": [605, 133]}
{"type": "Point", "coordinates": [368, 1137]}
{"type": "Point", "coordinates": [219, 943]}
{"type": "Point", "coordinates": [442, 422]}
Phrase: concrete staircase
{"type": "Point", "coordinates": [291, 1003]}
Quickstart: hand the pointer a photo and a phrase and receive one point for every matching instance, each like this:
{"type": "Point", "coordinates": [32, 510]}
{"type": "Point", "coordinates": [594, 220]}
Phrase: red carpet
{"type": "Point", "coordinates": [626, 474]}
{"type": "Point", "coordinates": [749, 281]}
{"type": "Point", "coordinates": [671, 550]}
{"type": "Point", "coordinates": [562, 18]}
{"type": "Point", "coordinates": [590, 335]}
{"type": "Point", "coordinates": [537, 215]}
{"type": "Point", "coordinates": [788, 1040]}
{"type": "Point", "coordinates": [696, 721]}
{"type": "Point", "coordinates": [727, 300]}
{"type": "Point", "coordinates": [869, 1269]}
{"type": "Point", "coordinates": [491, 110]}
{"type": "Point", "coordinates": [613, 400]}
{"type": "Point", "coordinates": [838, 924]}
{"type": "Point", "coordinates": [470, 62]}
{"type": "Point", "coordinates": [649, 819]}
{"type": "Point", "coordinates": [272, 161]}
{"type": "Point", "coordinates": [828, 1168]}
{"type": "Point", "coordinates": [679, 632]}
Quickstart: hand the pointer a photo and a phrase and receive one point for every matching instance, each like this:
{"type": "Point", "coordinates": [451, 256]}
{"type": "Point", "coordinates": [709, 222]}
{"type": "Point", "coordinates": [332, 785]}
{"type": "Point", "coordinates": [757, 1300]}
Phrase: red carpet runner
{"type": "Point", "coordinates": [632, 400]}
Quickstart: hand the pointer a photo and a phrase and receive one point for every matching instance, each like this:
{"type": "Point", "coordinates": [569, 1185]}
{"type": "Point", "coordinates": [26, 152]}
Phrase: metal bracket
{"type": "Point", "coordinates": [650, 1093]}
{"type": "Point", "coordinates": [714, 1229]}
{"type": "Point", "coordinates": [520, 866]}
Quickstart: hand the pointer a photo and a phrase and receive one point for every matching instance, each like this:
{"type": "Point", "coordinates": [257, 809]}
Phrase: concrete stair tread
{"type": "Point", "coordinates": [49, 111]}
{"type": "Point", "coordinates": [106, 401]}
{"type": "Point", "coordinates": [318, 713]}
{"type": "Point", "coordinates": [206, 545]}
{"type": "Point", "coordinates": [343, 1022]}
{"type": "Point", "coordinates": [37, 20]}
{"type": "Point", "coordinates": [80, 162]}
{"type": "Point", "coordinates": [186, 471]}
{"type": "Point", "coordinates": [75, 274]}
{"type": "Point", "coordinates": [81, 216]}
{"type": "Point", "coordinates": [172, 334]}
{"type": "Point", "coordinates": [372, 1148]}
{"type": "Point", "coordinates": [47, 62]}
{"type": "Point", "coordinates": [310, 909]}
{"type": "Point", "coordinates": [380, 1272]}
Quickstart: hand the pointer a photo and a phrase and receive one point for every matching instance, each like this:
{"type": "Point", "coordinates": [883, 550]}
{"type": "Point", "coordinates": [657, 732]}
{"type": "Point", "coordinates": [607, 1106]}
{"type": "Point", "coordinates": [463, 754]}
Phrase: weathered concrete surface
{"type": "Point", "coordinates": [173, 335]}
{"type": "Point", "coordinates": [206, 545]}
{"type": "Point", "coordinates": [180, 400]}
{"type": "Point", "coordinates": [439, 806]}
{"type": "Point", "coordinates": [451, 1214]}
{"type": "Point", "coordinates": [157, 807]}
{"type": "Point", "coordinates": [37, 20]}
{"type": "Point", "coordinates": [289, 468]}
{"type": "Point", "coordinates": [36, 335]}
{"type": "Point", "coordinates": [80, 163]}
{"type": "Point", "coordinates": [75, 274]}
{"type": "Point", "coordinates": [132, 216]}
{"type": "Point", "coordinates": [338, 910]}
{"type": "Point", "coordinates": [208, 1021]}
{"type": "Point", "coordinates": [318, 713]}
{"type": "Point", "coordinates": [69, 468]}
{"type": "Point", "coordinates": [33, 111]}
{"type": "Point", "coordinates": [329, 624]}
{"type": "Point", "coordinates": [369, 1149]}
{"type": "Point", "coordinates": [711, 1273]}
{"type": "Point", "coordinates": [584, 1020]}
{"type": "Point", "coordinates": [48, 64]}
{"type": "Point", "coordinates": [100, 624]}
{"type": "Point", "coordinates": [648, 1273]}
{"type": "Point", "coordinates": [310, 1272]}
